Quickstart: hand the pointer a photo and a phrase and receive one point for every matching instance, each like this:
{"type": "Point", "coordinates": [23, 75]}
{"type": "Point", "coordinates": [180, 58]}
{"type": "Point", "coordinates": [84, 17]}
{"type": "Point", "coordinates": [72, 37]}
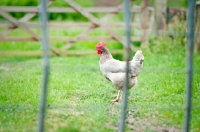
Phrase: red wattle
{"type": "Point", "coordinates": [99, 52]}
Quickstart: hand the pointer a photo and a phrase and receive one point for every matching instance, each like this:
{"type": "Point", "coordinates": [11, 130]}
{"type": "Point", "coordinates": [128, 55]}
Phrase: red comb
{"type": "Point", "coordinates": [101, 44]}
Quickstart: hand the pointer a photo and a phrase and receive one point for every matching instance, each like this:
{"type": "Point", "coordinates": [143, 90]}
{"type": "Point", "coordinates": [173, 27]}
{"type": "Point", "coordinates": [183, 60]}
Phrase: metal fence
{"type": "Point", "coordinates": [190, 45]}
{"type": "Point", "coordinates": [124, 105]}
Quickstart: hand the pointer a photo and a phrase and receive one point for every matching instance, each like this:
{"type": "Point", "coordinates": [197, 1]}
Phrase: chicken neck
{"type": "Point", "coordinates": [106, 55]}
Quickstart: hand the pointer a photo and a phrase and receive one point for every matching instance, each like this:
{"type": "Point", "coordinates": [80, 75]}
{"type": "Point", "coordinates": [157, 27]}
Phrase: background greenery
{"type": "Point", "coordinates": [76, 16]}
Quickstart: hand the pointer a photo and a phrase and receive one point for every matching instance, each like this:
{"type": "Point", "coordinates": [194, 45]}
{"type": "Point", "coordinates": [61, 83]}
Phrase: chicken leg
{"type": "Point", "coordinates": [118, 97]}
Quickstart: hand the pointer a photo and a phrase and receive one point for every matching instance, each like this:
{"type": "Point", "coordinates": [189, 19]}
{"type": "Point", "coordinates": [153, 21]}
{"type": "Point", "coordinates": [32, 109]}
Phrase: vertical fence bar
{"type": "Point", "coordinates": [127, 16]}
{"type": "Point", "coordinates": [190, 49]}
{"type": "Point", "coordinates": [45, 44]}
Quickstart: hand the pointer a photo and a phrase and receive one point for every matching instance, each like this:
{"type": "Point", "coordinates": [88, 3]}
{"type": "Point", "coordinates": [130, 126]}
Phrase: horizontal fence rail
{"type": "Point", "coordinates": [64, 24]}
{"type": "Point", "coordinates": [69, 10]}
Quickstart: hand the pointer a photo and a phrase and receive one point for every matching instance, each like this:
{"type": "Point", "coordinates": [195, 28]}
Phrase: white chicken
{"type": "Point", "coordinates": [114, 70]}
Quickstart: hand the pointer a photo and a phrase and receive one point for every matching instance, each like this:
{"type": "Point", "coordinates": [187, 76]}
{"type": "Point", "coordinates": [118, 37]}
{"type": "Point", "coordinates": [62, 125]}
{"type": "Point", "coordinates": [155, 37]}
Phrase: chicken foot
{"type": "Point", "coordinates": [118, 97]}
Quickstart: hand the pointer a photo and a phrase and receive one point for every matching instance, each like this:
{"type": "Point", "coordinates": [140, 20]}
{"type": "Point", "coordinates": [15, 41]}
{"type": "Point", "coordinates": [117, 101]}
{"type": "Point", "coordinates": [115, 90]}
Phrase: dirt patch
{"type": "Point", "coordinates": [3, 68]}
{"type": "Point", "coordinates": [137, 124]}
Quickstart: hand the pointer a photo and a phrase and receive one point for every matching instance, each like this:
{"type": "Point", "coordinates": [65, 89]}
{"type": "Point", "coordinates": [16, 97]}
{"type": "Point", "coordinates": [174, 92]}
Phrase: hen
{"type": "Point", "coordinates": [114, 70]}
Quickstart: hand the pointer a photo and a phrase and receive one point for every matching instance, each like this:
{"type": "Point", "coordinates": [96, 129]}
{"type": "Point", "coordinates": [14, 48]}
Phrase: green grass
{"type": "Point", "coordinates": [79, 96]}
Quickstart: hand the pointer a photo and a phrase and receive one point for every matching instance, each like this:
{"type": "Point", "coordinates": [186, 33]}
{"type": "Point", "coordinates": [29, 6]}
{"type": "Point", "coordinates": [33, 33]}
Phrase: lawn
{"type": "Point", "coordinates": [79, 97]}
